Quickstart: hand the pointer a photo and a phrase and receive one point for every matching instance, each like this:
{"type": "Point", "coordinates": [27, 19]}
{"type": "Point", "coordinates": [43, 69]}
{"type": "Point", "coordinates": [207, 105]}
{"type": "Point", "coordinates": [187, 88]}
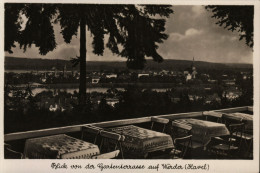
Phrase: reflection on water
{"type": "Point", "coordinates": [90, 90]}
{"type": "Point", "coordinates": [27, 71]}
{"type": "Point", "coordinates": [72, 90]}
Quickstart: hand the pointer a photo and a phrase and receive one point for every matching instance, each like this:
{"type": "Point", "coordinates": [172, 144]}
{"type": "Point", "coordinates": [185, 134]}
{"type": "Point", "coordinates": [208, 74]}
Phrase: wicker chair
{"type": "Point", "coordinates": [227, 146]}
{"type": "Point", "coordinates": [161, 121]}
{"type": "Point", "coordinates": [92, 131]}
{"type": "Point", "coordinates": [181, 146]}
{"type": "Point", "coordinates": [111, 141]}
{"type": "Point", "coordinates": [228, 120]}
{"type": "Point", "coordinates": [246, 140]}
{"type": "Point", "coordinates": [182, 130]}
{"type": "Point", "coordinates": [9, 153]}
{"type": "Point", "coordinates": [179, 151]}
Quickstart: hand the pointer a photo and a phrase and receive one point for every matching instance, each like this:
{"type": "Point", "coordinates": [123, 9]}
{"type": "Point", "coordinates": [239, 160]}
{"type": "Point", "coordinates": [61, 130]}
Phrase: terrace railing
{"type": "Point", "coordinates": [77, 128]}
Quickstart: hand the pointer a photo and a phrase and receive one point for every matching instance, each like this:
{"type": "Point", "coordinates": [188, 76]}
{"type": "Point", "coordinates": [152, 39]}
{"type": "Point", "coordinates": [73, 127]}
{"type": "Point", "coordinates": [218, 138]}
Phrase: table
{"type": "Point", "coordinates": [202, 130]}
{"type": "Point", "coordinates": [59, 147]}
{"type": "Point", "coordinates": [141, 141]}
{"type": "Point", "coordinates": [242, 116]}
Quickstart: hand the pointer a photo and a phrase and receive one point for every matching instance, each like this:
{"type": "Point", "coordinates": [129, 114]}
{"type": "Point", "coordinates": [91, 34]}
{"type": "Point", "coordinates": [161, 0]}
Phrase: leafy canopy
{"type": "Point", "coordinates": [134, 31]}
{"type": "Point", "coordinates": [238, 18]}
{"type": "Point", "coordinates": [12, 25]}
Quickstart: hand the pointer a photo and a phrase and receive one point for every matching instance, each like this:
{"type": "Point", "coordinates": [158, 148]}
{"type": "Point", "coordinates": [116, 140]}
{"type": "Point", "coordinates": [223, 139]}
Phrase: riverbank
{"type": "Point", "coordinates": [112, 85]}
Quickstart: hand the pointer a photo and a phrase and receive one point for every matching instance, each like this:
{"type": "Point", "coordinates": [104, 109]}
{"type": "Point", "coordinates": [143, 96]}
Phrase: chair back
{"type": "Point", "coordinates": [180, 129]}
{"type": "Point", "coordinates": [109, 155]}
{"type": "Point", "coordinates": [236, 131]}
{"type": "Point", "coordinates": [110, 135]}
{"type": "Point", "coordinates": [183, 144]}
{"type": "Point", "coordinates": [228, 145]}
{"type": "Point", "coordinates": [9, 153]}
{"type": "Point", "coordinates": [158, 120]}
{"type": "Point", "coordinates": [91, 130]}
{"type": "Point", "coordinates": [212, 116]}
{"type": "Point", "coordinates": [236, 128]}
{"type": "Point", "coordinates": [247, 130]}
{"type": "Point", "coordinates": [111, 141]}
{"type": "Point", "coordinates": [227, 120]}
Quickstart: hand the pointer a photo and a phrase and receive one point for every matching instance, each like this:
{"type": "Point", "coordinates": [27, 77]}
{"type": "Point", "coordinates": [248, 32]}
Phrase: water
{"type": "Point", "coordinates": [33, 71]}
{"type": "Point", "coordinates": [72, 90]}
{"type": "Point", "coordinates": [90, 90]}
{"type": "Point", "coordinates": [26, 71]}
{"type": "Point", "coordinates": [160, 90]}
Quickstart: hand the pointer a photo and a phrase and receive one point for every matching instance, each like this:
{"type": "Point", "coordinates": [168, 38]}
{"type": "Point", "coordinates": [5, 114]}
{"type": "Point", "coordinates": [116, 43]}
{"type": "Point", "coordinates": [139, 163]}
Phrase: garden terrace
{"type": "Point", "coordinates": [17, 140]}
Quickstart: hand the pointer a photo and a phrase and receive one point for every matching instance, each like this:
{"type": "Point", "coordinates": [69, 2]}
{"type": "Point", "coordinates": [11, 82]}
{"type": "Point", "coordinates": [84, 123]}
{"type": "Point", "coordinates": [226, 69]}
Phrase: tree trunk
{"type": "Point", "coordinates": [83, 53]}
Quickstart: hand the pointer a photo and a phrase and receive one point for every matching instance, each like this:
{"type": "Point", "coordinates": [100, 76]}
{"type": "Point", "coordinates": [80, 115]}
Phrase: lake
{"type": "Point", "coordinates": [90, 90]}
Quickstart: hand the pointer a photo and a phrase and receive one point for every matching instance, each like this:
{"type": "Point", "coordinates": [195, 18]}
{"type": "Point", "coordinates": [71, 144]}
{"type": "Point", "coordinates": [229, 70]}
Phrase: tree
{"type": "Point", "coordinates": [238, 18]}
{"type": "Point", "coordinates": [104, 111]}
{"type": "Point", "coordinates": [133, 31]}
{"type": "Point", "coordinates": [12, 25]}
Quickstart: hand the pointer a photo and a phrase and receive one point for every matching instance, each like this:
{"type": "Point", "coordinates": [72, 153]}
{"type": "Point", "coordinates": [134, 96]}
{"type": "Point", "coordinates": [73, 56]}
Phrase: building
{"type": "Point", "coordinates": [229, 82]}
{"type": "Point", "coordinates": [111, 76]}
{"type": "Point", "coordinates": [212, 81]}
{"type": "Point", "coordinates": [44, 79]}
{"type": "Point", "coordinates": [232, 94]}
{"type": "Point", "coordinates": [175, 99]}
{"type": "Point", "coordinates": [186, 72]}
{"type": "Point", "coordinates": [95, 79]}
{"type": "Point", "coordinates": [55, 71]}
{"type": "Point", "coordinates": [164, 72]}
{"type": "Point", "coordinates": [112, 101]}
{"type": "Point", "coordinates": [188, 77]}
{"type": "Point", "coordinates": [65, 71]}
{"type": "Point", "coordinates": [124, 76]}
{"type": "Point", "coordinates": [143, 74]}
{"type": "Point", "coordinates": [212, 98]}
{"type": "Point", "coordinates": [194, 97]}
{"type": "Point", "coordinates": [191, 72]}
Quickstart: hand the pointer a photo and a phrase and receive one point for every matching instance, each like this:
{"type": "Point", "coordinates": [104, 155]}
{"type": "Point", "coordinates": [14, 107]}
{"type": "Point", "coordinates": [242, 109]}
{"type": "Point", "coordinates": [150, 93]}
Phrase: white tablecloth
{"type": "Point", "coordinates": [59, 147]}
{"type": "Point", "coordinates": [202, 130]}
{"type": "Point", "coordinates": [243, 116]}
{"type": "Point", "coordinates": [141, 140]}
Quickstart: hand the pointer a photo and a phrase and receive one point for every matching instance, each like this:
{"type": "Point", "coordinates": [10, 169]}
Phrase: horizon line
{"type": "Point", "coordinates": [146, 59]}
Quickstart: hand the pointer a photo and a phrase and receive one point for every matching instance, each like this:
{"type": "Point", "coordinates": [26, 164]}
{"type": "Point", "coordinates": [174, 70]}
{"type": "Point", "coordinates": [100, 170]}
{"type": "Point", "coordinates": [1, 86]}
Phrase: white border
{"type": "Point", "coordinates": [215, 165]}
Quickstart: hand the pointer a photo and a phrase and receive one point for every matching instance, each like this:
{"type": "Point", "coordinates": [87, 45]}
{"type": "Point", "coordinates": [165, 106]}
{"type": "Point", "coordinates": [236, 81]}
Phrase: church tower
{"type": "Point", "coordinates": [65, 71]}
{"type": "Point", "coordinates": [194, 72]}
{"type": "Point", "coordinates": [193, 66]}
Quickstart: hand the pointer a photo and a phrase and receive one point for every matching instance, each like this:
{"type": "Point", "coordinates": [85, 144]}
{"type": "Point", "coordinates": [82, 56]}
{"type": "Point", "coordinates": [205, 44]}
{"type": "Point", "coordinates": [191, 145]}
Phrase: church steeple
{"type": "Point", "coordinates": [193, 65]}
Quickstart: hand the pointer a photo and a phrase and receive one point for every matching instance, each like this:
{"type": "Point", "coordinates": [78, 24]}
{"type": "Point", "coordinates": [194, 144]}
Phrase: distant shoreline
{"type": "Point", "coordinates": [105, 85]}
{"type": "Point", "coordinates": [115, 85]}
{"type": "Point", "coordinates": [119, 86]}
{"type": "Point", "coordinates": [124, 61]}
{"type": "Point", "coordinates": [26, 64]}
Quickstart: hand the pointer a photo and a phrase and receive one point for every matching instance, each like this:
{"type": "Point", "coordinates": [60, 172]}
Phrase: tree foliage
{"type": "Point", "coordinates": [133, 30]}
{"type": "Point", "coordinates": [38, 29]}
{"type": "Point", "coordinates": [239, 18]}
{"type": "Point", "coordinates": [12, 25]}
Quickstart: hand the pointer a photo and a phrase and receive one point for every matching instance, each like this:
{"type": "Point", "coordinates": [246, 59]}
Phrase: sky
{"type": "Point", "coordinates": [192, 33]}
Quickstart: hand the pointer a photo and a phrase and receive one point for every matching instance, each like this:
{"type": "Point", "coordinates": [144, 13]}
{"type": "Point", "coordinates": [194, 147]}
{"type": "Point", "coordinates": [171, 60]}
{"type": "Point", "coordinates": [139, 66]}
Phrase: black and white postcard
{"type": "Point", "coordinates": [140, 86]}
